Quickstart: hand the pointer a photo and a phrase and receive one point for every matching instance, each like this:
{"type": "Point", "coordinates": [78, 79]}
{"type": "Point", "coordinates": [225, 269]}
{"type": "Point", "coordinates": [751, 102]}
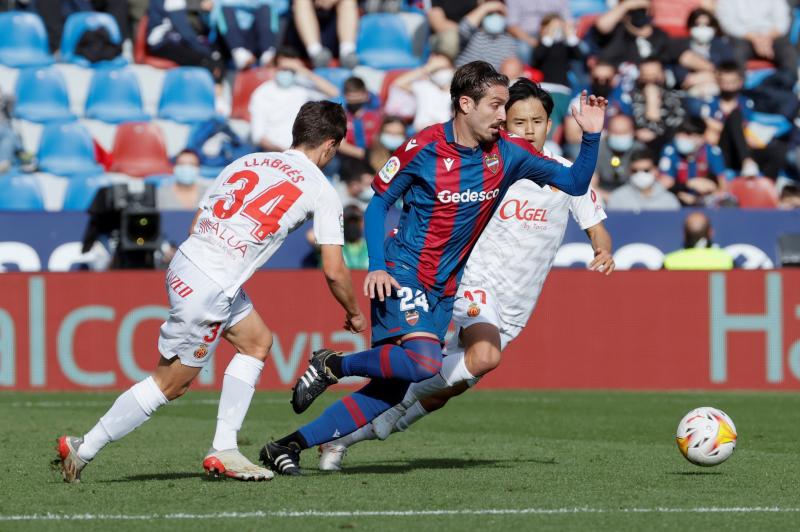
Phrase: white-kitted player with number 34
{"type": "Point", "coordinates": [243, 219]}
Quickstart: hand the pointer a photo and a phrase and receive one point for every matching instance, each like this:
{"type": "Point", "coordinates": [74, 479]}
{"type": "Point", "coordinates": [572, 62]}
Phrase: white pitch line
{"type": "Point", "coordinates": [388, 513]}
{"type": "Point", "coordinates": [87, 403]}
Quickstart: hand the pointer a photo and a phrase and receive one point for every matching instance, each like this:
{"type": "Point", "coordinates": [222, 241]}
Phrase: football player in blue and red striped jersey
{"type": "Point", "coordinates": [451, 178]}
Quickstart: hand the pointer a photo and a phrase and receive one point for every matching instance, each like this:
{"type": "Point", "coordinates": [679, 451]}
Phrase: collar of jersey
{"type": "Point", "coordinates": [450, 137]}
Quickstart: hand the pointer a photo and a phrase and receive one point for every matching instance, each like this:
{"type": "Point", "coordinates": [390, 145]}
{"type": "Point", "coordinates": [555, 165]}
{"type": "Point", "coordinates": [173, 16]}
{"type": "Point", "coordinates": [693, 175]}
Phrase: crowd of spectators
{"type": "Point", "coordinates": [695, 86]}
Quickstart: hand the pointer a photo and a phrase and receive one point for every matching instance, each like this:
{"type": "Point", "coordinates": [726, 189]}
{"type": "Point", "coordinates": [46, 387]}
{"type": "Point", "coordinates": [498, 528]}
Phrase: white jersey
{"type": "Point", "coordinates": [516, 250]}
{"type": "Point", "coordinates": [253, 204]}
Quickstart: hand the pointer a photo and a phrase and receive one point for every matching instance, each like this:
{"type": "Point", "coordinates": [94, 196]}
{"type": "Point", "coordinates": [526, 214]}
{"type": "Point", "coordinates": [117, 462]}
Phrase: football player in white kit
{"type": "Point", "coordinates": [502, 280]}
{"type": "Point", "coordinates": [242, 220]}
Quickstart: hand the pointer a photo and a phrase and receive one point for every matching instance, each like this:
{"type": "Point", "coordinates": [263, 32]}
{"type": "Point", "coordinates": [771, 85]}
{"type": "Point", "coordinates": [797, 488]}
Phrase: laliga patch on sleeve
{"type": "Point", "coordinates": [389, 170]}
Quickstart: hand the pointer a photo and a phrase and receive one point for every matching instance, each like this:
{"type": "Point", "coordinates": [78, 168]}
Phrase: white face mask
{"type": "Point", "coordinates": [391, 142]}
{"type": "Point", "coordinates": [284, 78]}
{"type": "Point", "coordinates": [443, 77]}
{"type": "Point", "coordinates": [620, 143]}
{"type": "Point", "coordinates": [643, 180]}
{"type": "Point", "coordinates": [494, 23]}
{"type": "Point", "coordinates": [703, 34]}
{"type": "Point", "coordinates": [685, 146]}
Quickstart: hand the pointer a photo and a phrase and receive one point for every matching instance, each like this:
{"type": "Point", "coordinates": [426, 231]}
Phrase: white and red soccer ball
{"type": "Point", "coordinates": [706, 436]}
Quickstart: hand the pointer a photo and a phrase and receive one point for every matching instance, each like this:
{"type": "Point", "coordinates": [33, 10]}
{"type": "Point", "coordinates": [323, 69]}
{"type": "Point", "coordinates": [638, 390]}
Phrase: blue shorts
{"type": "Point", "coordinates": [409, 310]}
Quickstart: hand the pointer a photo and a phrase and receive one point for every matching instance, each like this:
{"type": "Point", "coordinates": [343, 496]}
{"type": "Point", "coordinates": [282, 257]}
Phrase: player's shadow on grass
{"type": "Point", "coordinates": [158, 476]}
{"type": "Point", "coordinates": [694, 473]}
{"type": "Point", "coordinates": [405, 466]}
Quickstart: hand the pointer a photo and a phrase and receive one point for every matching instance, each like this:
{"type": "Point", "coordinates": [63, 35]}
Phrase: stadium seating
{"type": "Point", "coordinates": [114, 97]}
{"type": "Point", "coordinates": [23, 40]}
{"type": "Point", "coordinates": [388, 79]}
{"type": "Point", "coordinates": [81, 190]}
{"type": "Point", "coordinates": [187, 96]}
{"type": "Point", "coordinates": [754, 192]}
{"type": "Point", "coordinates": [67, 150]}
{"type": "Point", "coordinates": [41, 96]}
{"type": "Point", "coordinates": [384, 43]}
{"type": "Point", "coordinates": [580, 8]}
{"type": "Point", "coordinates": [139, 150]}
{"type": "Point", "coordinates": [244, 84]}
{"type": "Point", "coordinates": [20, 193]}
{"type": "Point", "coordinates": [76, 25]}
{"type": "Point", "coordinates": [140, 54]}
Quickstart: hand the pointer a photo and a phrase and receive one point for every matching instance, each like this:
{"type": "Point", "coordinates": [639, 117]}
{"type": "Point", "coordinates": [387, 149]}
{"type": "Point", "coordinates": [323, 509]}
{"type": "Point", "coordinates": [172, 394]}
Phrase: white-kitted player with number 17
{"type": "Point", "coordinates": [243, 219]}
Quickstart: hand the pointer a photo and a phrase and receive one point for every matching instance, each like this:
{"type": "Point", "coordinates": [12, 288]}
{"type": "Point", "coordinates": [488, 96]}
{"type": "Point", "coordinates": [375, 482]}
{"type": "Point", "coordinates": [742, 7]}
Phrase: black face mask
{"type": "Point", "coordinates": [353, 108]}
{"type": "Point", "coordinates": [639, 18]}
{"type": "Point", "coordinates": [601, 89]}
{"type": "Point", "coordinates": [352, 231]}
{"type": "Point", "coordinates": [728, 95]}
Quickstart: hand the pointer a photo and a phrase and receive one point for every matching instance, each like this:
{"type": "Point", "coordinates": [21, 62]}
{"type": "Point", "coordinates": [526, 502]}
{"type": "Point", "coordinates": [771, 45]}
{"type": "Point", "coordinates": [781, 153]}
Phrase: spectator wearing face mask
{"type": "Point", "coordinates": [626, 34]}
{"type": "Point", "coordinates": [423, 93]}
{"type": "Point", "coordinates": [613, 160]}
{"type": "Point", "coordinates": [643, 192]}
{"type": "Point", "coordinates": [392, 136]}
{"type": "Point", "coordinates": [363, 119]}
{"type": "Point", "coordinates": [525, 20]}
{"type": "Point", "coordinates": [691, 168]}
{"type": "Point", "coordinates": [707, 40]}
{"type": "Point", "coordinates": [355, 183]}
{"type": "Point", "coordinates": [356, 256]}
{"type": "Point", "coordinates": [484, 35]}
{"type": "Point", "coordinates": [275, 103]}
{"type": "Point", "coordinates": [187, 188]}
{"type": "Point", "coordinates": [699, 252]}
{"type": "Point", "coordinates": [558, 45]}
{"type": "Point", "coordinates": [657, 110]}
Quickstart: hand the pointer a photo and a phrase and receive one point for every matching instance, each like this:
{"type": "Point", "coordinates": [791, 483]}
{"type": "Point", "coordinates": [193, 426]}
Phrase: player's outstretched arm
{"type": "Point", "coordinates": [590, 113]}
{"type": "Point", "coordinates": [601, 244]}
{"type": "Point", "coordinates": [378, 282]}
{"type": "Point", "coordinates": [338, 277]}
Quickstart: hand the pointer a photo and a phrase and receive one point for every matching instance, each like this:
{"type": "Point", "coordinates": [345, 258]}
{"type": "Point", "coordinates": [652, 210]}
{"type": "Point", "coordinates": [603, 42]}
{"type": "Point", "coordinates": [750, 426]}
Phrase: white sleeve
{"type": "Point", "coordinates": [328, 218]}
{"type": "Point", "coordinates": [587, 210]}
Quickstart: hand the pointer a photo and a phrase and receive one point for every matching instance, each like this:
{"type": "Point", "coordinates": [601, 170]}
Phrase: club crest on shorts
{"type": "Point", "coordinates": [473, 310]}
{"type": "Point", "coordinates": [412, 317]}
{"type": "Point", "coordinates": [492, 162]}
{"type": "Point", "coordinates": [201, 351]}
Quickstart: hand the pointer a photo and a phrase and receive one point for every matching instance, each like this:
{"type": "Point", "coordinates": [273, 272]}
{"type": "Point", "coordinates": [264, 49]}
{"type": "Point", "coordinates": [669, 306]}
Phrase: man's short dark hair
{"type": "Point", "coordinates": [353, 169]}
{"type": "Point", "coordinates": [354, 84]}
{"type": "Point", "coordinates": [473, 80]}
{"type": "Point", "coordinates": [287, 51]}
{"type": "Point", "coordinates": [317, 122]}
{"type": "Point", "coordinates": [695, 14]}
{"type": "Point", "coordinates": [523, 88]}
{"type": "Point", "coordinates": [692, 125]}
{"type": "Point", "coordinates": [730, 67]}
{"type": "Point", "coordinates": [642, 154]}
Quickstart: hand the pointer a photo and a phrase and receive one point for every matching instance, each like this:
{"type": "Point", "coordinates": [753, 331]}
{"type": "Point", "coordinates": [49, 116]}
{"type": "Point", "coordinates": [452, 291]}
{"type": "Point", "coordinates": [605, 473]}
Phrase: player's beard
{"type": "Point", "coordinates": [492, 136]}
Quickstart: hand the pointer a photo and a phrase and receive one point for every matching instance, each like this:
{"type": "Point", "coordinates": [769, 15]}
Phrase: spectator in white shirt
{"type": "Point", "coordinates": [275, 103]}
{"type": "Point", "coordinates": [423, 93]}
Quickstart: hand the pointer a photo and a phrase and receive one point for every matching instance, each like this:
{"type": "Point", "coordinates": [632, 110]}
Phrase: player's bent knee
{"type": "Point", "coordinates": [483, 358]}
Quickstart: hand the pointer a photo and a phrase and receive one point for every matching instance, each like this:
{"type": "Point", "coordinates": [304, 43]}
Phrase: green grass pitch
{"type": "Point", "coordinates": [550, 460]}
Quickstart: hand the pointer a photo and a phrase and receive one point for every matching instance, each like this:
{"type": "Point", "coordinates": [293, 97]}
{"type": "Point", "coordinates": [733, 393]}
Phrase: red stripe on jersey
{"type": "Point", "coordinates": [386, 361]}
{"type": "Point", "coordinates": [443, 215]}
{"type": "Point", "coordinates": [491, 180]}
{"type": "Point", "coordinates": [404, 155]}
{"type": "Point", "coordinates": [355, 411]}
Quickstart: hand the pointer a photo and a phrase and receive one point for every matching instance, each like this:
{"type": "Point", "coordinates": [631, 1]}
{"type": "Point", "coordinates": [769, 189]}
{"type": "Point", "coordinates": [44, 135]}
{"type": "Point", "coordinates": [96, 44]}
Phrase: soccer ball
{"type": "Point", "coordinates": [706, 436]}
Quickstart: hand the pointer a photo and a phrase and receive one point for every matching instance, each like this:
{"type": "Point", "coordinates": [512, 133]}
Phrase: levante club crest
{"type": "Point", "coordinates": [492, 162]}
{"type": "Point", "coordinates": [412, 317]}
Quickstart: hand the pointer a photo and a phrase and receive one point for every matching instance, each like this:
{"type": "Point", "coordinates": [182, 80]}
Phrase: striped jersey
{"type": "Point", "coordinates": [449, 194]}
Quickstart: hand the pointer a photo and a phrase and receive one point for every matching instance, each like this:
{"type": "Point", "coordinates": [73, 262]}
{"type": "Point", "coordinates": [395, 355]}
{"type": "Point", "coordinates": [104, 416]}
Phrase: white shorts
{"type": "Point", "coordinates": [199, 312]}
{"type": "Point", "coordinates": [474, 306]}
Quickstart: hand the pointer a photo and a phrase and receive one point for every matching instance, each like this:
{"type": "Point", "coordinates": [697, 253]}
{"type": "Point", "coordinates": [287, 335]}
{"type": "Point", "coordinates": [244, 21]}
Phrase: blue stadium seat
{"type": "Point", "coordinates": [114, 97]}
{"type": "Point", "coordinates": [187, 95]}
{"type": "Point", "coordinates": [81, 190]}
{"type": "Point", "coordinates": [67, 150]}
{"type": "Point", "coordinates": [41, 96]}
{"type": "Point", "coordinates": [76, 25]}
{"type": "Point", "coordinates": [20, 193]}
{"type": "Point", "coordinates": [337, 76]}
{"type": "Point", "coordinates": [580, 8]}
{"type": "Point", "coordinates": [384, 43]}
{"type": "Point", "coordinates": [23, 40]}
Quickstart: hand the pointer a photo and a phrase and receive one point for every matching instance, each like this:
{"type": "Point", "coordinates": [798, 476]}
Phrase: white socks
{"type": "Point", "coordinates": [454, 370]}
{"type": "Point", "coordinates": [346, 47]}
{"type": "Point", "coordinates": [238, 386]}
{"type": "Point", "coordinates": [364, 433]}
{"type": "Point", "coordinates": [412, 415]}
{"type": "Point", "coordinates": [314, 48]}
{"type": "Point", "coordinates": [130, 410]}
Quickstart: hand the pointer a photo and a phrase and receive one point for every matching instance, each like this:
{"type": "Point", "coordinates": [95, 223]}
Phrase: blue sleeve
{"type": "Point", "coordinates": [374, 231]}
{"type": "Point", "coordinates": [573, 180]}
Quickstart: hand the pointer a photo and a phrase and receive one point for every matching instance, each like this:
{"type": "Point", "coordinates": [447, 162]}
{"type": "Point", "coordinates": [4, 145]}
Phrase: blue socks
{"type": "Point", "coordinates": [416, 359]}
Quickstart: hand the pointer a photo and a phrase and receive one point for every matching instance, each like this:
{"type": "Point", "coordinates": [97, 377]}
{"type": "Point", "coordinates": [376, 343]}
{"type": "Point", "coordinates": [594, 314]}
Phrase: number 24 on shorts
{"type": "Point", "coordinates": [409, 299]}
